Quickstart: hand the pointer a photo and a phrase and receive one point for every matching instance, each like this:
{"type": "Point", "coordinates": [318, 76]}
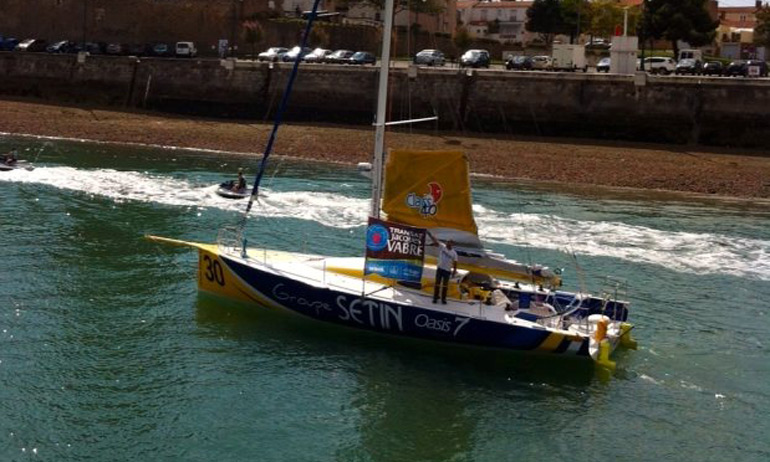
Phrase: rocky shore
{"type": "Point", "coordinates": [737, 173]}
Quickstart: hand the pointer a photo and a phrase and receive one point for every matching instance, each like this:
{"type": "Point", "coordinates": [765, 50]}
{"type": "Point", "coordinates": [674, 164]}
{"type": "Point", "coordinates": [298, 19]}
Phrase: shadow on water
{"type": "Point", "coordinates": [242, 322]}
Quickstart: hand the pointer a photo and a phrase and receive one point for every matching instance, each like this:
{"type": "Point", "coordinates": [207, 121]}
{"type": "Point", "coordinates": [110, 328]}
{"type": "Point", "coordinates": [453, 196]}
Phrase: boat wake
{"type": "Point", "coordinates": [700, 253]}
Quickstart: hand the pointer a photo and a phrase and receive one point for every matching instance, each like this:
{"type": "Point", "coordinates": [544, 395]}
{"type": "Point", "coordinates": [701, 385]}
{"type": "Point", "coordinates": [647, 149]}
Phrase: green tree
{"type": "Point", "coordinates": [462, 39]}
{"type": "Point", "coordinates": [544, 17]}
{"type": "Point", "coordinates": [685, 20]}
{"type": "Point", "coordinates": [252, 34]}
{"type": "Point", "coordinates": [762, 29]}
{"type": "Point", "coordinates": [415, 6]}
{"type": "Point", "coordinates": [576, 17]}
{"type": "Point", "coordinates": [607, 14]}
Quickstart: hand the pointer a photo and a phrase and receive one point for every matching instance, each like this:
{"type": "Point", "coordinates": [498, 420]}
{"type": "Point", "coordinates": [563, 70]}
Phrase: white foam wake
{"type": "Point", "coordinates": [331, 209]}
{"type": "Point", "coordinates": [702, 253]}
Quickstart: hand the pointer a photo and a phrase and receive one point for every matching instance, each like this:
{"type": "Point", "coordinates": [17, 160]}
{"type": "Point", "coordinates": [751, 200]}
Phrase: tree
{"type": "Point", "coordinates": [544, 17]}
{"type": "Point", "coordinates": [252, 34]}
{"type": "Point", "coordinates": [415, 6]}
{"type": "Point", "coordinates": [685, 20]}
{"type": "Point", "coordinates": [762, 29]}
{"type": "Point", "coordinates": [607, 14]}
{"type": "Point", "coordinates": [462, 38]}
{"type": "Point", "coordinates": [576, 17]}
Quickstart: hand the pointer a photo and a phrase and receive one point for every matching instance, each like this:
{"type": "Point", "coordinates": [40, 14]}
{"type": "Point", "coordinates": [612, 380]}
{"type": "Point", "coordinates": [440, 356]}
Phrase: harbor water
{"type": "Point", "coordinates": [109, 352]}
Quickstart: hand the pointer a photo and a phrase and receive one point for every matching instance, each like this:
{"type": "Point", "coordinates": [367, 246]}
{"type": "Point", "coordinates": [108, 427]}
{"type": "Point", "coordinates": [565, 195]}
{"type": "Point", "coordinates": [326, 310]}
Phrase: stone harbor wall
{"type": "Point", "coordinates": [712, 111]}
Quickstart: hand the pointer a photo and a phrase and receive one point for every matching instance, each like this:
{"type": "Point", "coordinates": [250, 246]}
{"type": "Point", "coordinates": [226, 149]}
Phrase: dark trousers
{"type": "Point", "coordinates": [442, 283]}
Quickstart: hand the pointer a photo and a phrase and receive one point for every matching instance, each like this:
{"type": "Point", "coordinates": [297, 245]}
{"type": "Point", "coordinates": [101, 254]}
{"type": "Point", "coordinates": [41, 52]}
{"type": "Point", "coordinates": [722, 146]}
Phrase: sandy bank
{"type": "Point", "coordinates": [675, 168]}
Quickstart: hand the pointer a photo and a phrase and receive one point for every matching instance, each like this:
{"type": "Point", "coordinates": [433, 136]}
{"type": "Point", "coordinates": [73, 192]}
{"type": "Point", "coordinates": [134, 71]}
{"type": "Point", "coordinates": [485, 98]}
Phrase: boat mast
{"type": "Point", "coordinates": [282, 107]}
{"type": "Point", "coordinates": [382, 103]}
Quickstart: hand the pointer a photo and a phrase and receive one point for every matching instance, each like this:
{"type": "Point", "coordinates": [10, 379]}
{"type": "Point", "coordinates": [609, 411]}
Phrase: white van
{"type": "Point", "coordinates": [697, 55]}
{"type": "Point", "coordinates": [186, 50]}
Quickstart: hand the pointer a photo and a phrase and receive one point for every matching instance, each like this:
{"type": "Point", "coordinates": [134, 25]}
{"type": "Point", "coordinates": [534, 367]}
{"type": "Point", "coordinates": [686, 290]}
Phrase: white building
{"type": "Point", "coordinates": [483, 18]}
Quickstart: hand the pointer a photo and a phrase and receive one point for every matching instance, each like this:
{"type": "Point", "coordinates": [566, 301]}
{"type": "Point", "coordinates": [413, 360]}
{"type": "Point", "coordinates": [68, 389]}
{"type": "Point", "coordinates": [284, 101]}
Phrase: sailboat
{"type": "Point", "coordinates": [492, 302]}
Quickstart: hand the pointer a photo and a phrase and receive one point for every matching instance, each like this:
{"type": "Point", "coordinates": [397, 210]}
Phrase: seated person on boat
{"type": "Point", "coordinates": [239, 185]}
{"type": "Point", "coordinates": [11, 158]}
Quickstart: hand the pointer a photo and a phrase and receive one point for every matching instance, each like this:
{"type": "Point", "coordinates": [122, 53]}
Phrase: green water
{"type": "Point", "coordinates": [108, 352]}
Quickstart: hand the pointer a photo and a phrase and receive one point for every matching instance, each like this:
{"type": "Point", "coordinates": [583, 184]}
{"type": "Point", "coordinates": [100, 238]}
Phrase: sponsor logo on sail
{"type": "Point", "coordinates": [426, 204]}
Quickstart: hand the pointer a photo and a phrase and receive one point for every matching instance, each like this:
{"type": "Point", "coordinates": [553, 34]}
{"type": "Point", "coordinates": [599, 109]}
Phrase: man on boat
{"type": "Point", "coordinates": [446, 267]}
{"type": "Point", "coordinates": [11, 157]}
{"type": "Point", "coordinates": [240, 184]}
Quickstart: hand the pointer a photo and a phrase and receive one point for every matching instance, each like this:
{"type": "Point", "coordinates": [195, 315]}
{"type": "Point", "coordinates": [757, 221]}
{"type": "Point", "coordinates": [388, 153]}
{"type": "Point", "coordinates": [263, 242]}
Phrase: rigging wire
{"type": "Point", "coordinates": [281, 110]}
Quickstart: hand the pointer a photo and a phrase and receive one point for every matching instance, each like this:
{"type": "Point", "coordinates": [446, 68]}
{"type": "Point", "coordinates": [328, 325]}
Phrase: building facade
{"type": "Point", "coordinates": [498, 20]}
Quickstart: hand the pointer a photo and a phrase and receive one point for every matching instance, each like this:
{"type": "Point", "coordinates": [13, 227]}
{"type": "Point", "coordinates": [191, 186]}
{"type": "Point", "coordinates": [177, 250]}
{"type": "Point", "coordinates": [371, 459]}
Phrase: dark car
{"type": "Point", "coordinates": [162, 50]}
{"type": "Point", "coordinates": [603, 65]}
{"type": "Point", "coordinates": [688, 66]}
{"type": "Point", "coordinates": [8, 44]}
{"type": "Point", "coordinates": [62, 46]}
{"type": "Point", "coordinates": [31, 45]}
{"type": "Point", "coordinates": [291, 55]}
{"type": "Point", "coordinates": [95, 48]}
{"type": "Point", "coordinates": [745, 68]}
{"type": "Point", "coordinates": [761, 68]}
{"type": "Point", "coordinates": [339, 56]}
{"type": "Point", "coordinates": [430, 58]}
{"type": "Point", "coordinates": [272, 54]}
{"type": "Point", "coordinates": [137, 49]}
{"type": "Point", "coordinates": [475, 58]}
{"type": "Point", "coordinates": [362, 57]}
{"type": "Point", "coordinates": [116, 49]}
{"type": "Point", "coordinates": [518, 63]}
{"type": "Point", "coordinates": [713, 68]}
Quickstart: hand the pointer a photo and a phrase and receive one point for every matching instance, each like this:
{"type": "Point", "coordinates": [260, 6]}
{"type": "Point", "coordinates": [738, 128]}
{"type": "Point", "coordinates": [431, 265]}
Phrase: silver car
{"type": "Point", "coordinates": [430, 58]}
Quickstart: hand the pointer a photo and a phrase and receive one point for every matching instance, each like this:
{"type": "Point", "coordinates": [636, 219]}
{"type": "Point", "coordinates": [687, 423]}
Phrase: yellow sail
{"type": "Point", "coordinates": [429, 189]}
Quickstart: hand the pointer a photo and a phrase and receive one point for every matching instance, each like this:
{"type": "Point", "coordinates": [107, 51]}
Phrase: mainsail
{"type": "Point", "coordinates": [431, 189]}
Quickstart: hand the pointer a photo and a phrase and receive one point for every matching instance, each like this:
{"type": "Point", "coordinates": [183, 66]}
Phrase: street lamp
{"type": "Point", "coordinates": [85, 19]}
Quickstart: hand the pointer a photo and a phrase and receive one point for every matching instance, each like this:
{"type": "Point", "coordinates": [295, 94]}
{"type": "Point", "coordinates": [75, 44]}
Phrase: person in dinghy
{"type": "Point", "coordinates": [12, 158]}
{"type": "Point", "coordinates": [239, 185]}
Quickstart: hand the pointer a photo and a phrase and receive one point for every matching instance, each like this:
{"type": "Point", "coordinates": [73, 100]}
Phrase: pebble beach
{"type": "Point", "coordinates": [693, 169]}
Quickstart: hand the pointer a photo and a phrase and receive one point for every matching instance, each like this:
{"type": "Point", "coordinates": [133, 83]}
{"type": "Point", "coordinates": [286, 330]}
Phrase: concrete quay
{"type": "Point", "coordinates": [694, 110]}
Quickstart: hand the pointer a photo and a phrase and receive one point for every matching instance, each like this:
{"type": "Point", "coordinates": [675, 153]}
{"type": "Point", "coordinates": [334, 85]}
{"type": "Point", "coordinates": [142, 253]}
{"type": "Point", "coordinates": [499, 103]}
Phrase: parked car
{"type": "Point", "coordinates": [742, 68]}
{"type": "Point", "coordinates": [362, 57]}
{"type": "Point", "coordinates": [475, 58]}
{"type": "Point", "coordinates": [689, 66]}
{"type": "Point", "coordinates": [598, 43]}
{"type": "Point", "coordinates": [161, 50]}
{"type": "Point", "coordinates": [430, 58]}
{"type": "Point", "coordinates": [116, 49]}
{"type": "Point", "coordinates": [95, 48]}
{"type": "Point", "coordinates": [713, 68]}
{"type": "Point", "coordinates": [318, 55]}
{"type": "Point", "coordinates": [660, 65]}
{"type": "Point", "coordinates": [62, 46]}
{"type": "Point", "coordinates": [31, 45]}
{"type": "Point", "coordinates": [272, 54]}
{"type": "Point", "coordinates": [185, 50]}
{"type": "Point", "coordinates": [736, 68]}
{"type": "Point", "coordinates": [339, 56]}
{"type": "Point", "coordinates": [137, 49]}
{"type": "Point", "coordinates": [8, 44]}
{"type": "Point", "coordinates": [518, 63]}
{"type": "Point", "coordinates": [542, 63]}
{"type": "Point", "coordinates": [291, 55]}
{"type": "Point", "coordinates": [603, 65]}
{"type": "Point", "coordinates": [760, 64]}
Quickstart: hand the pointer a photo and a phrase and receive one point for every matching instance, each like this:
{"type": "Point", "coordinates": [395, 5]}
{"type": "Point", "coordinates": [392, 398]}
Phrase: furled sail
{"type": "Point", "coordinates": [431, 189]}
